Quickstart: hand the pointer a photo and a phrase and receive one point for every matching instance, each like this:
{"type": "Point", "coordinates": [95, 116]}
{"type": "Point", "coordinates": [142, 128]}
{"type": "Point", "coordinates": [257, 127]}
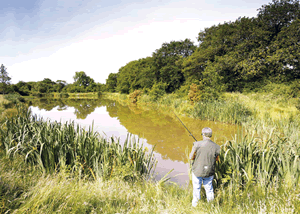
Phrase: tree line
{"type": "Point", "coordinates": [242, 55]}
{"type": "Point", "coordinates": [82, 84]}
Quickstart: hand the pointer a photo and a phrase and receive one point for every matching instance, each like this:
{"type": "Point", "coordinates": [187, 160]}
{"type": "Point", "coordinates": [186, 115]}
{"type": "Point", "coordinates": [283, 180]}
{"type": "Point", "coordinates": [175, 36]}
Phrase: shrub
{"type": "Point", "coordinates": [158, 90]}
{"type": "Point", "coordinates": [15, 98]}
{"type": "Point", "coordinates": [183, 91]}
{"type": "Point", "coordinates": [283, 90]}
{"type": "Point", "coordinates": [298, 104]}
{"type": "Point", "coordinates": [194, 93]}
{"type": "Point", "coordinates": [134, 96]}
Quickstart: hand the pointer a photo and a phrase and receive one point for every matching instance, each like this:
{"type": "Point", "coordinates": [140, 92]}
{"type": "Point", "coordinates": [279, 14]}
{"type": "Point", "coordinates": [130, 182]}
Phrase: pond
{"type": "Point", "coordinates": [155, 129]}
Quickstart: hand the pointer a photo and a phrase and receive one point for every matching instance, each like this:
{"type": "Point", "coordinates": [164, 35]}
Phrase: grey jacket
{"type": "Point", "coordinates": [204, 154]}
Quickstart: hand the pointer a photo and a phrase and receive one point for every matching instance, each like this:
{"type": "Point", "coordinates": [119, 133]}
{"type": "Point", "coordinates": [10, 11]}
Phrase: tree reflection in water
{"type": "Point", "coordinates": [159, 128]}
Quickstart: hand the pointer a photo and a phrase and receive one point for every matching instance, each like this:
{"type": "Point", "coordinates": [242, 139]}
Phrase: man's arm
{"type": "Point", "coordinates": [218, 158]}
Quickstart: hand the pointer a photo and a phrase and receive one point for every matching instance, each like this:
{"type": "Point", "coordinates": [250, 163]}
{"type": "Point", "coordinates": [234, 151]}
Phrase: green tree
{"type": "Point", "coordinates": [278, 14]}
{"type": "Point", "coordinates": [83, 83]}
{"type": "Point", "coordinates": [136, 75]}
{"type": "Point", "coordinates": [22, 88]}
{"type": "Point", "coordinates": [284, 54]}
{"type": "Point", "coordinates": [4, 78]}
{"type": "Point", "coordinates": [111, 82]}
{"type": "Point", "coordinates": [60, 84]}
{"type": "Point", "coordinates": [158, 90]}
{"type": "Point", "coordinates": [168, 60]}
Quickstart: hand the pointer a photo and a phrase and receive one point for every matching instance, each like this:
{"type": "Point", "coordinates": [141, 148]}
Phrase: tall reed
{"type": "Point", "coordinates": [55, 145]}
{"type": "Point", "coordinates": [251, 161]}
{"type": "Point", "coordinates": [228, 111]}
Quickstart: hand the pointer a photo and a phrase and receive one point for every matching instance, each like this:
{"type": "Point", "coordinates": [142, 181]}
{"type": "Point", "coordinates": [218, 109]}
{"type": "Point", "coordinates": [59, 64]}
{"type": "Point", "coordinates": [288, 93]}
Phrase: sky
{"type": "Point", "coordinates": [56, 38]}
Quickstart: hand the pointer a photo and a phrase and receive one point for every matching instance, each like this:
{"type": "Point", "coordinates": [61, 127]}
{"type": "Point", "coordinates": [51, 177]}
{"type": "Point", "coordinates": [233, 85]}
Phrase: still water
{"type": "Point", "coordinates": [155, 129]}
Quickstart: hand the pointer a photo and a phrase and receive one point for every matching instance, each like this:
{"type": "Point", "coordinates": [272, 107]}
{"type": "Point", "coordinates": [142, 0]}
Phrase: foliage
{"type": "Point", "coordinates": [22, 88]}
{"type": "Point", "coordinates": [31, 192]}
{"type": "Point", "coordinates": [134, 96]}
{"type": "Point", "coordinates": [111, 82]}
{"type": "Point", "coordinates": [298, 104]}
{"type": "Point", "coordinates": [230, 111]}
{"type": "Point", "coordinates": [53, 146]}
{"type": "Point", "coordinates": [194, 94]}
{"type": "Point", "coordinates": [135, 75]}
{"type": "Point", "coordinates": [258, 172]}
{"type": "Point", "coordinates": [157, 90]}
{"type": "Point", "coordinates": [83, 83]}
{"type": "Point", "coordinates": [168, 60]}
{"type": "Point", "coordinates": [46, 88]}
{"type": "Point", "coordinates": [15, 181]}
{"type": "Point", "coordinates": [287, 91]}
{"type": "Point", "coordinates": [246, 161]}
{"type": "Point", "coordinates": [13, 100]}
{"type": "Point", "coordinates": [4, 78]}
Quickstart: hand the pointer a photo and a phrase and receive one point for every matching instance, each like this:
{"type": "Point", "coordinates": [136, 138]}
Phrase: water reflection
{"type": "Point", "coordinates": [158, 128]}
{"type": "Point", "coordinates": [164, 131]}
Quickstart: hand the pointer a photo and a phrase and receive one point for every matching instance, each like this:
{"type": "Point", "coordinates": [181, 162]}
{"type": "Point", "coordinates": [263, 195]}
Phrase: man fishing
{"type": "Point", "coordinates": [205, 153]}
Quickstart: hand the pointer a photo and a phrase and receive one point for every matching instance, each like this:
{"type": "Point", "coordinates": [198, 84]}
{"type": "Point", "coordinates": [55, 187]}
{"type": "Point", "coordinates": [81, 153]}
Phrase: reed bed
{"type": "Point", "coordinates": [54, 145]}
{"type": "Point", "coordinates": [246, 161]}
{"type": "Point", "coordinates": [228, 111]}
{"type": "Point", "coordinates": [61, 193]}
{"type": "Point", "coordinates": [258, 172]}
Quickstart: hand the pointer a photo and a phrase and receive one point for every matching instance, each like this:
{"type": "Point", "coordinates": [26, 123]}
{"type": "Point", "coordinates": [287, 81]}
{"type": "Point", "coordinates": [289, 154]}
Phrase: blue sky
{"type": "Point", "coordinates": [55, 38]}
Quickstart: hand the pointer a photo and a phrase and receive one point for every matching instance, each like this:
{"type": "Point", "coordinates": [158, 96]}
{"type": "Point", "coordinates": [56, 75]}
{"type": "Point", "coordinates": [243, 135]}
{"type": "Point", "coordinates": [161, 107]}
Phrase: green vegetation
{"type": "Point", "coordinates": [48, 88]}
{"type": "Point", "coordinates": [238, 56]}
{"type": "Point", "coordinates": [4, 79]}
{"type": "Point", "coordinates": [54, 145]}
{"type": "Point", "coordinates": [257, 173]}
{"type": "Point", "coordinates": [242, 72]}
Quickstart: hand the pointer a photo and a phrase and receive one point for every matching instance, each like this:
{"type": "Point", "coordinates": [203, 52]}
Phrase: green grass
{"type": "Point", "coordinates": [25, 189]}
{"type": "Point", "coordinates": [64, 171]}
{"type": "Point", "coordinates": [53, 145]}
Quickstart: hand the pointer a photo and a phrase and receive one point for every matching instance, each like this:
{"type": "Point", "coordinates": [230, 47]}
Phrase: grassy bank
{"type": "Point", "coordinates": [25, 189]}
{"type": "Point", "coordinates": [49, 168]}
{"type": "Point", "coordinates": [261, 114]}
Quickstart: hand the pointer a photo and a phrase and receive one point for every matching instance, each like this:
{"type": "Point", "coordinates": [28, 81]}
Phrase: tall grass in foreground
{"type": "Point", "coordinates": [249, 161]}
{"type": "Point", "coordinates": [26, 191]}
{"type": "Point", "coordinates": [257, 173]}
{"type": "Point", "coordinates": [54, 145]}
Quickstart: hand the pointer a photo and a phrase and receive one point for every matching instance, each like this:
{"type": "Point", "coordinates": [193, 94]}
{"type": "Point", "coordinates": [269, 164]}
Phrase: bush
{"type": "Point", "coordinates": [290, 90]}
{"type": "Point", "coordinates": [194, 93]}
{"type": "Point", "coordinates": [15, 98]}
{"type": "Point", "coordinates": [158, 90]}
{"type": "Point", "coordinates": [183, 91]}
{"type": "Point", "coordinates": [295, 86]}
{"type": "Point", "coordinates": [134, 96]}
{"type": "Point", "coordinates": [298, 104]}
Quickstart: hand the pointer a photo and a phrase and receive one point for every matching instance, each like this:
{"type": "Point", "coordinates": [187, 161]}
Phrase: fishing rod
{"type": "Point", "coordinates": [185, 127]}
